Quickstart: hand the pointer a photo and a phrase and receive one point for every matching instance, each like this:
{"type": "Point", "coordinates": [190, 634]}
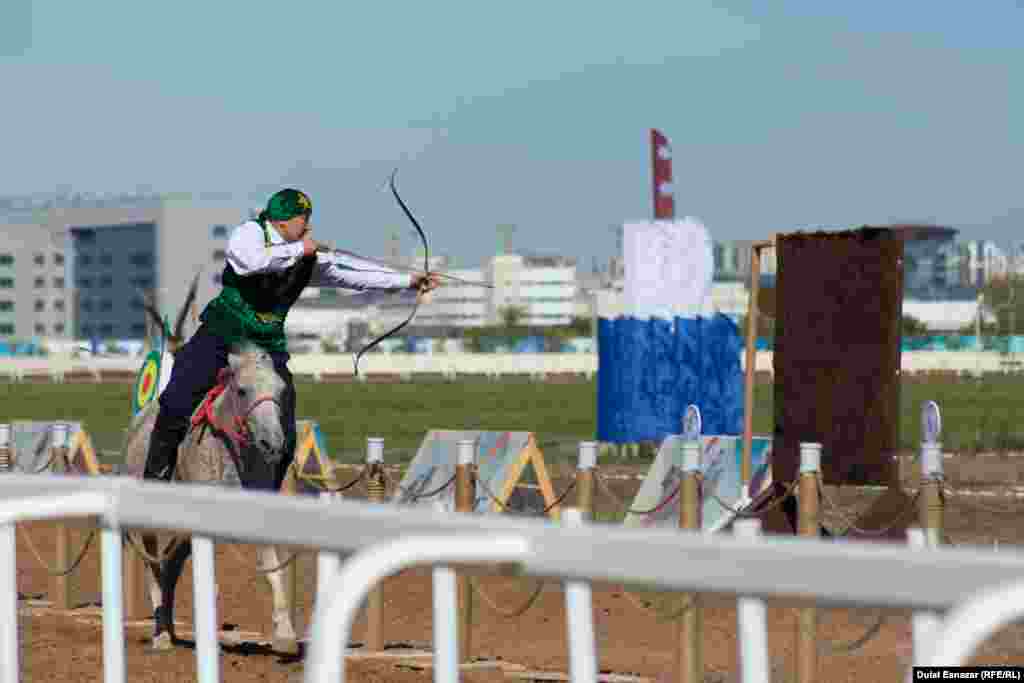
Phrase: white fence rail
{"type": "Point", "coordinates": [57, 369]}
{"type": "Point", "coordinates": [981, 586]}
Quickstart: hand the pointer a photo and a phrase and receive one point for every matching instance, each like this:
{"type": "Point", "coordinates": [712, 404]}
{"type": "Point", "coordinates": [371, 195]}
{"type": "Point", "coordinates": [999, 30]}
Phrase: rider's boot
{"type": "Point", "coordinates": [167, 435]}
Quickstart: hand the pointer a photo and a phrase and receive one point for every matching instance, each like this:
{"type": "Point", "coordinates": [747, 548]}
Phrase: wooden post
{"type": "Point", "coordinates": [375, 489]}
{"type": "Point", "coordinates": [809, 527]}
{"type": "Point", "coordinates": [63, 586]}
{"type": "Point", "coordinates": [585, 464]}
{"type": "Point", "coordinates": [465, 493]}
{"type": "Point", "coordinates": [6, 453]}
{"type": "Point", "coordinates": [689, 660]}
{"type": "Point", "coordinates": [750, 369]}
{"type": "Point", "coordinates": [930, 502]}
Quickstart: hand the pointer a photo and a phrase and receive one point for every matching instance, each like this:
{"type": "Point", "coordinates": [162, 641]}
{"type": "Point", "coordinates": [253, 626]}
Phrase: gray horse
{"type": "Point", "coordinates": [236, 436]}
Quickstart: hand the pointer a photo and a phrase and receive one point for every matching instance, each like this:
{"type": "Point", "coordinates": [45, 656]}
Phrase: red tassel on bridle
{"type": "Point", "coordinates": [240, 434]}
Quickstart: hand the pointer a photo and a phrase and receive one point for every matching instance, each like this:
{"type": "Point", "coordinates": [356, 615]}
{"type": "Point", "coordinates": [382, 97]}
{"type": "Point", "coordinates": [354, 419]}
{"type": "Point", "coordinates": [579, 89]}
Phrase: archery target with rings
{"type": "Point", "coordinates": [148, 380]}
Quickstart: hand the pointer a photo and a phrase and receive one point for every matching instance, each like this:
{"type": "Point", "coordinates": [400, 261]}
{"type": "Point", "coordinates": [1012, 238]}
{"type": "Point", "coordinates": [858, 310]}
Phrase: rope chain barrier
{"type": "Point", "coordinates": [505, 506]}
{"type": "Point", "coordinates": [951, 494]}
{"type": "Point", "coordinates": [757, 514]}
{"type": "Point", "coordinates": [410, 497]}
{"type": "Point", "coordinates": [623, 507]}
{"type": "Point", "coordinates": [317, 481]}
{"type": "Point", "coordinates": [852, 646]}
{"type": "Point", "coordinates": [144, 554]}
{"type": "Point", "coordinates": [851, 524]}
{"type": "Point", "coordinates": [512, 613]}
{"type": "Point", "coordinates": [57, 573]}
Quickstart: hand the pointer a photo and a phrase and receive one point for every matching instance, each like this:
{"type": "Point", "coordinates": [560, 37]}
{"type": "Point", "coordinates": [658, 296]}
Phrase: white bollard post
{"type": "Point", "coordinates": [204, 617]}
{"type": "Point", "coordinates": [9, 654]}
{"type": "Point", "coordinates": [925, 625]}
{"type": "Point", "coordinates": [752, 621]}
{"type": "Point", "coordinates": [59, 435]}
{"type": "Point", "coordinates": [579, 610]}
{"type": "Point", "coordinates": [446, 619]}
{"type": "Point", "coordinates": [113, 609]}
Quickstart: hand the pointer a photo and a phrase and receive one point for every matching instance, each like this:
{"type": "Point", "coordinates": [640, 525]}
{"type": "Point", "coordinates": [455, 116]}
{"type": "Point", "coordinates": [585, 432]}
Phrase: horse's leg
{"type": "Point", "coordinates": [150, 544]}
{"type": "Point", "coordinates": [170, 572]}
{"type": "Point", "coordinates": [284, 638]}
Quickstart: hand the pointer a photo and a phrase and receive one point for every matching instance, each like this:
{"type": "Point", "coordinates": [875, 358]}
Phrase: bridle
{"type": "Point", "coordinates": [238, 430]}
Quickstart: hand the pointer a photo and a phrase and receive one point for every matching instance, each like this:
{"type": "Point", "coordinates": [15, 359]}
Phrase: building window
{"type": "Point", "coordinates": [142, 258]}
{"type": "Point", "coordinates": [87, 305]}
{"type": "Point", "coordinates": [106, 282]}
{"type": "Point", "coordinates": [86, 330]}
{"type": "Point", "coordinates": [40, 305]}
{"type": "Point", "coordinates": [220, 231]}
{"type": "Point", "coordinates": [219, 255]}
{"type": "Point", "coordinates": [58, 305]}
{"type": "Point", "coordinates": [106, 259]}
{"type": "Point", "coordinates": [58, 328]}
{"type": "Point", "coordinates": [6, 283]}
{"type": "Point", "coordinates": [143, 282]}
{"type": "Point", "coordinates": [106, 305]}
{"type": "Point", "coordinates": [39, 259]}
{"type": "Point", "coordinates": [6, 260]}
{"type": "Point", "coordinates": [6, 329]}
{"type": "Point", "coordinates": [85, 283]}
{"type": "Point", "coordinates": [85, 235]}
{"type": "Point", "coordinates": [139, 329]}
{"type": "Point", "coordinates": [40, 282]}
{"type": "Point", "coordinates": [107, 329]}
{"type": "Point", "coordinates": [138, 304]}
{"type": "Point", "coordinates": [85, 260]}
{"type": "Point", "coordinates": [58, 259]}
{"type": "Point", "coordinates": [6, 306]}
{"type": "Point", "coordinates": [40, 328]}
{"type": "Point", "coordinates": [58, 283]}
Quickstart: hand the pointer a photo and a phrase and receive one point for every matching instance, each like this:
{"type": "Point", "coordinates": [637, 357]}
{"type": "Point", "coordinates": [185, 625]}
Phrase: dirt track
{"type": "Point", "coordinates": [67, 646]}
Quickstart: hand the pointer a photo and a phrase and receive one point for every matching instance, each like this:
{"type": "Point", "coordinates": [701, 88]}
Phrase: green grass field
{"type": "Point", "coordinates": [977, 415]}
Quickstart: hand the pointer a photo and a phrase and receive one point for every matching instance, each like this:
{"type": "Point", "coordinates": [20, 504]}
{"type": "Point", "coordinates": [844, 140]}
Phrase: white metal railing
{"type": "Point", "coordinates": [834, 573]}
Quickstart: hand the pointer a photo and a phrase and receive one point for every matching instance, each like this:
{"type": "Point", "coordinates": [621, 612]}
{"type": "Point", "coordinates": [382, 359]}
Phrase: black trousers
{"type": "Point", "coordinates": [195, 371]}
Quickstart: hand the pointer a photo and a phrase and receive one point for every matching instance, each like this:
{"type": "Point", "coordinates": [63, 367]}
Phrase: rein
{"type": "Point", "coordinates": [238, 430]}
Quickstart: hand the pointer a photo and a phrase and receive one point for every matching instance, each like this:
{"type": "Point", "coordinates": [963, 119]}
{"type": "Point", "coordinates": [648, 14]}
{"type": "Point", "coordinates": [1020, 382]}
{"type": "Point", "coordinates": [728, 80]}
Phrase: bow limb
{"type": "Point", "coordinates": [419, 294]}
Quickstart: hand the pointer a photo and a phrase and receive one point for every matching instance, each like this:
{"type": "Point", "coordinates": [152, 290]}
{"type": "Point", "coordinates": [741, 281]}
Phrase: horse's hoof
{"type": "Point", "coordinates": [162, 643]}
{"type": "Point", "coordinates": [286, 646]}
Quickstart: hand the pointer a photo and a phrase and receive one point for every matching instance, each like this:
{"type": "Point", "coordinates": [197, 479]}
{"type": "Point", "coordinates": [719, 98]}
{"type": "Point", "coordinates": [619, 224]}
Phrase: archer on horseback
{"type": "Point", "coordinates": [269, 261]}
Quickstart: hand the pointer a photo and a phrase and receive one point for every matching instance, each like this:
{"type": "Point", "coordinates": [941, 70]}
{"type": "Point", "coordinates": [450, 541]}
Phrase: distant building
{"type": "Point", "coordinates": [981, 262]}
{"type": "Point", "coordinates": [115, 253]}
{"type": "Point", "coordinates": [732, 261]}
{"type": "Point", "coordinates": [543, 288]}
{"type": "Point", "coordinates": [35, 297]}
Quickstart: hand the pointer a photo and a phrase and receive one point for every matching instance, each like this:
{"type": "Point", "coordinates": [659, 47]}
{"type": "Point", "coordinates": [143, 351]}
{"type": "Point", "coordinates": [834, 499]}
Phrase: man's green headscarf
{"type": "Point", "coordinates": [287, 204]}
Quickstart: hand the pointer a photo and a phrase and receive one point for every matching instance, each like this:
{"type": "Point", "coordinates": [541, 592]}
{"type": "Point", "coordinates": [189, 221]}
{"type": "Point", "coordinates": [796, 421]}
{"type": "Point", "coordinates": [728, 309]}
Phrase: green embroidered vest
{"type": "Point", "coordinates": [253, 308]}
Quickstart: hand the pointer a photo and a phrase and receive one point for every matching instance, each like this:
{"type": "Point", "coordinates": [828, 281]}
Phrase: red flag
{"type": "Point", "coordinates": [661, 167]}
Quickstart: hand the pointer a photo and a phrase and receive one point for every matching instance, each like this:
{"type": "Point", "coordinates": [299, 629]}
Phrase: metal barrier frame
{"type": "Point", "coordinates": [834, 573]}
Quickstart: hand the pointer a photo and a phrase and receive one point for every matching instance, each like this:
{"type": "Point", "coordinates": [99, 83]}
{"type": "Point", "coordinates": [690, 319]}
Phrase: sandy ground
{"type": "Point", "coordinates": [66, 646]}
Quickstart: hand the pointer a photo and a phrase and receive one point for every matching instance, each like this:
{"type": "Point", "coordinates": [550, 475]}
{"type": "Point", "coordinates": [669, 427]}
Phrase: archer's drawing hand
{"type": "Point", "coordinates": [425, 283]}
{"type": "Point", "coordinates": [310, 246]}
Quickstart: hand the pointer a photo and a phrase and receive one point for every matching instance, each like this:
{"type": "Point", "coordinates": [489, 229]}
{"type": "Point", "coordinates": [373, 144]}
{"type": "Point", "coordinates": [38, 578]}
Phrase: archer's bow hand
{"type": "Point", "coordinates": [425, 283]}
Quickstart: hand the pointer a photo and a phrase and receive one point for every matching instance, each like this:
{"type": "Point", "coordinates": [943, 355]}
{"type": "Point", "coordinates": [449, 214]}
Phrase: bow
{"type": "Point", "coordinates": [426, 270]}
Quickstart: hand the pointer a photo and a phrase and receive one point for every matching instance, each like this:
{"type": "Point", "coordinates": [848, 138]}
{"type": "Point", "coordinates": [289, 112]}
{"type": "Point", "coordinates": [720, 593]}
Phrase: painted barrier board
{"type": "Point", "coordinates": [657, 502]}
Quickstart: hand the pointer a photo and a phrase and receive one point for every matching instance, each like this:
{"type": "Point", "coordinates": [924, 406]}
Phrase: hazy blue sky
{"type": "Point", "coordinates": [533, 113]}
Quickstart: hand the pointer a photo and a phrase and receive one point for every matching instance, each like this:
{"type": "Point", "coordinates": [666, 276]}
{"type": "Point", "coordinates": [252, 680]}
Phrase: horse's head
{"type": "Point", "coordinates": [253, 393]}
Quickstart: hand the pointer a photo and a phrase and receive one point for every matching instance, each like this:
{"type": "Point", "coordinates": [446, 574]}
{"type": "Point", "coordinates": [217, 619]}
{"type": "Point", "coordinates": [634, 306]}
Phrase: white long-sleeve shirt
{"type": "Point", "coordinates": [248, 254]}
